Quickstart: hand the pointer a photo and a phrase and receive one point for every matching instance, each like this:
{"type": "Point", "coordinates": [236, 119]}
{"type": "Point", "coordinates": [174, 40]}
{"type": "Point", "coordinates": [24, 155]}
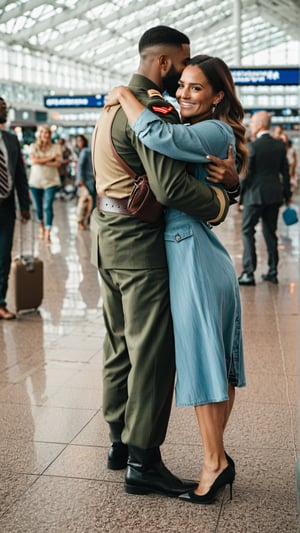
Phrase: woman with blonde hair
{"type": "Point", "coordinates": [44, 178]}
{"type": "Point", "coordinates": [204, 290]}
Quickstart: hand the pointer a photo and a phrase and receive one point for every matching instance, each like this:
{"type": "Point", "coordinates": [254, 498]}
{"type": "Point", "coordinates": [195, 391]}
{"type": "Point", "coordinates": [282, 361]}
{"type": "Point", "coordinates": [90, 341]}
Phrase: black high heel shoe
{"type": "Point", "coordinates": [225, 478]}
{"type": "Point", "coordinates": [230, 461]}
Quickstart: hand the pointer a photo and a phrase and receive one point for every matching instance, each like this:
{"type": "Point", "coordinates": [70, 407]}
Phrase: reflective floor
{"type": "Point", "coordinates": [53, 444]}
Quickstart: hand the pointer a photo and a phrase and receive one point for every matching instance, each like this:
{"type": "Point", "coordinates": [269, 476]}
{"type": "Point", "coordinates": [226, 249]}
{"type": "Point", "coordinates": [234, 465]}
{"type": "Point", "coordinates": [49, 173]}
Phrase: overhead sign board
{"type": "Point", "coordinates": [77, 101]}
{"type": "Point", "coordinates": [241, 76]}
{"type": "Point", "coordinates": [266, 76]}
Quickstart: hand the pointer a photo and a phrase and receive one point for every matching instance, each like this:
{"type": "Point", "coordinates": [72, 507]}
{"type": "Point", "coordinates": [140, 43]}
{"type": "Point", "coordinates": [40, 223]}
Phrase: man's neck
{"type": "Point", "coordinates": [151, 75]}
{"type": "Point", "coordinates": [262, 132]}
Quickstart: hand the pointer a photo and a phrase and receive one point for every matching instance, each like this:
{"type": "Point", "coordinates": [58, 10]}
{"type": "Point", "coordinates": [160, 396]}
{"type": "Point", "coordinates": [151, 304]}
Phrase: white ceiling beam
{"type": "Point", "coordinates": [290, 25]}
{"type": "Point", "coordinates": [19, 11]}
{"type": "Point", "coordinates": [5, 3]}
{"type": "Point", "coordinates": [53, 21]}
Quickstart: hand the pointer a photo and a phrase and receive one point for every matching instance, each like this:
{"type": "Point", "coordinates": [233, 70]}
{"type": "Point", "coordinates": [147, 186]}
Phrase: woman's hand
{"type": "Point", "coordinates": [122, 95]}
{"type": "Point", "coordinates": [223, 170]}
{"type": "Point", "coordinates": [114, 96]}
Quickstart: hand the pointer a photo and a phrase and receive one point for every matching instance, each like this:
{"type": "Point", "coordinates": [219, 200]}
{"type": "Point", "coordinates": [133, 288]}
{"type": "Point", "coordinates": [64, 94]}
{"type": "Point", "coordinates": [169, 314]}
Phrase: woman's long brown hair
{"type": "Point", "coordinates": [230, 109]}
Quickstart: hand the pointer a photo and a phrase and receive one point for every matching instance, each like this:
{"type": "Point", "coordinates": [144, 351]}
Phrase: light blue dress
{"type": "Point", "coordinates": [204, 290]}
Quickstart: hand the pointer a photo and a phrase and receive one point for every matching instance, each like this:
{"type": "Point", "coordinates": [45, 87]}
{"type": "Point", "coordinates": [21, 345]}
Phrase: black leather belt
{"type": "Point", "coordinates": [113, 205]}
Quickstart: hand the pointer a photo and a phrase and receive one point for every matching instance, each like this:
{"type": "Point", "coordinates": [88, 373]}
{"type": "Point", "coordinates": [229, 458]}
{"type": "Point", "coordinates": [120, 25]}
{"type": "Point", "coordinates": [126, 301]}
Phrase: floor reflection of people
{"type": "Point", "coordinates": [22, 358]}
{"type": "Point", "coordinates": [24, 344]}
{"type": "Point", "coordinates": [56, 273]}
{"type": "Point", "coordinates": [89, 285]}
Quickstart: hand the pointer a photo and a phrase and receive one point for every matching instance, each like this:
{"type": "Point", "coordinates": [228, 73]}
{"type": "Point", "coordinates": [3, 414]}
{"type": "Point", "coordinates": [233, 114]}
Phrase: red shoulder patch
{"type": "Point", "coordinates": [164, 110]}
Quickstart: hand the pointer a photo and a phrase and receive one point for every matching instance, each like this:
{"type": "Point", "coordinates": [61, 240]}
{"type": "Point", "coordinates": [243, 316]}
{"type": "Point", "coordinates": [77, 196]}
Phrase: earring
{"type": "Point", "coordinates": [213, 109]}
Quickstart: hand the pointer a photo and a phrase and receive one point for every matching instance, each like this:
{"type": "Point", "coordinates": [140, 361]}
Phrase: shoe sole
{"type": "Point", "coordinates": [142, 491]}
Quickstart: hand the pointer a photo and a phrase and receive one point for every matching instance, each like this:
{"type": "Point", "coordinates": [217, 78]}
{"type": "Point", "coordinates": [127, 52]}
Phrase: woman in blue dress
{"type": "Point", "coordinates": [205, 298]}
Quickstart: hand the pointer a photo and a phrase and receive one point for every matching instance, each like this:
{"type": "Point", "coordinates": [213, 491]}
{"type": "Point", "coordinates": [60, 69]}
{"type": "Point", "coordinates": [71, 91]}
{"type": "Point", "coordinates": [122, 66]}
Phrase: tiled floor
{"type": "Point", "coordinates": [54, 441]}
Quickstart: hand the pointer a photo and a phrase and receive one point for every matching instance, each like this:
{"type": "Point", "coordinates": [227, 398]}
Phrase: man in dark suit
{"type": "Point", "coordinates": [12, 178]}
{"type": "Point", "coordinates": [264, 188]}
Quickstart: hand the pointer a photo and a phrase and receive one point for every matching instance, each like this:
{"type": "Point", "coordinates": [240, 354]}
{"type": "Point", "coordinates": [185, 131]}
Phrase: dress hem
{"type": "Point", "coordinates": [195, 403]}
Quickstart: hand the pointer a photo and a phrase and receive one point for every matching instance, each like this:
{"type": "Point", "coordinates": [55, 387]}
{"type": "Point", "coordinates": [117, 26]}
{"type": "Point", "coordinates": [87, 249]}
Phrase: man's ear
{"type": "Point", "coordinates": [164, 62]}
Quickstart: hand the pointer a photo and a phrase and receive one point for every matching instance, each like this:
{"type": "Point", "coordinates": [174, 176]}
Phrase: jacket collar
{"type": "Point", "coordinates": [139, 81]}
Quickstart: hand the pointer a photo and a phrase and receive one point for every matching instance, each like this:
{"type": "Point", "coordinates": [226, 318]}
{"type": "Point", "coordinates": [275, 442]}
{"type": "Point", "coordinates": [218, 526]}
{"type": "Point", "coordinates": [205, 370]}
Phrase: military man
{"type": "Point", "coordinates": [138, 353]}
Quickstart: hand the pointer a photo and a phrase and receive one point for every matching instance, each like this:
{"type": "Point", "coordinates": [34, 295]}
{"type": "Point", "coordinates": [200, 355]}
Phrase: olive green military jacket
{"type": "Point", "coordinates": [120, 241]}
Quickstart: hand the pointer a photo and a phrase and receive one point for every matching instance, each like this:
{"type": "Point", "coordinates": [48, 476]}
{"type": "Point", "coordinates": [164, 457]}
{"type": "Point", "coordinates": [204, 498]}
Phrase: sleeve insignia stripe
{"type": "Point", "coordinates": [154, 92]}
{"type": "Point", "coordinates": [163, 110]}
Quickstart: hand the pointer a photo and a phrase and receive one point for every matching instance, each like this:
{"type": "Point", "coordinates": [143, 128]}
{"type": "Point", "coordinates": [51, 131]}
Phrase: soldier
{"type": "Point", "coordinates": [138, 352]}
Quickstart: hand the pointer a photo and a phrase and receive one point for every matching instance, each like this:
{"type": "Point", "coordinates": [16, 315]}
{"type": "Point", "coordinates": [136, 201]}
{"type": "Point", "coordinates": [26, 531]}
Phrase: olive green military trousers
{"type": "Point", "coordinates": [138, 354]}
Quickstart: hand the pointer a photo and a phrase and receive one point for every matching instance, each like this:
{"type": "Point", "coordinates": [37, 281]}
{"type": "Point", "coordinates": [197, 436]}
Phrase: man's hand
{"type": "Point", "coordinates": [25, 216]}
{"type": "Point", "coordinates": [223, 170]}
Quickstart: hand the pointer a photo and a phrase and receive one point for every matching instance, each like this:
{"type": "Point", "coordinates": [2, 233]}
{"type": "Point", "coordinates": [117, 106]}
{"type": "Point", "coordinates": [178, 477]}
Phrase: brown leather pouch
{"type": "Point", "coordinates": [142, 203]}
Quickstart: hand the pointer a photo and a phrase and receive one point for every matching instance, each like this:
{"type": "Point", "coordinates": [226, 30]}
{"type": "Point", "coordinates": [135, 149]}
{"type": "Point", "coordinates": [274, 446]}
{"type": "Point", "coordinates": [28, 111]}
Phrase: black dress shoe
{"type": "Point", "coordinates": [146, 473]}
{"type": "Point", "coordinates": [117, 456]}
{"type": "Point", "coordinates": [270, 277]}
{"type": "Point", "coordinates": [225, 478]}
{"type": "Point", "coordinates": [246, 279]}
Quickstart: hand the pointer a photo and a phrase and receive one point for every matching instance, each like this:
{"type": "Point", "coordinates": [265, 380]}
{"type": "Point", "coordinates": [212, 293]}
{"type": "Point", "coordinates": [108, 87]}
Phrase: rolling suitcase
{"type": "Point", "coordinates": [27, 275]}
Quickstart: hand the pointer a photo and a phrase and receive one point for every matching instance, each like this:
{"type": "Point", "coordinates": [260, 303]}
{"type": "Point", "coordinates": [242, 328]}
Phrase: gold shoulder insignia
{"type": "Point", "coordinates": [153, 92]}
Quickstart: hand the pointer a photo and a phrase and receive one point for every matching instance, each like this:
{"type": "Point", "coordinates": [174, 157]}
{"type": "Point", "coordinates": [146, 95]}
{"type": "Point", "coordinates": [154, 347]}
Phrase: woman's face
{"type": "Point", "coordinates": [45, 135]}
{"type": "Point", "coordinates": [79, 143]}
{"type": "Point", "coordinates": [195, 95]}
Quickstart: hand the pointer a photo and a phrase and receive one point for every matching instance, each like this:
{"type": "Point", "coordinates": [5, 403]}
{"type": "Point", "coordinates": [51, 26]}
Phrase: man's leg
{"type": "Point", "coordinates": [269, 227]}
{"type": "Point", "coordinates": [139, 364]}
{"type": "Point", "coordinates": [116, 364]}
{"type": "Point", "coordinates": [250, 217]}
{"type": "Point", "coordinates": [150, 342]}
{"type": "Point", "coordinates": [7, 223]}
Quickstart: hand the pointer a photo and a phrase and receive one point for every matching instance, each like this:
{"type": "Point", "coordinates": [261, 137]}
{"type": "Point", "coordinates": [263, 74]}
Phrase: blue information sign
{"type": "Point", "coordinates": [266, 76]}
{"type": "Point", "coordinates": [74, 101]}
{"type": "Point", "coordinates": [241, 76]}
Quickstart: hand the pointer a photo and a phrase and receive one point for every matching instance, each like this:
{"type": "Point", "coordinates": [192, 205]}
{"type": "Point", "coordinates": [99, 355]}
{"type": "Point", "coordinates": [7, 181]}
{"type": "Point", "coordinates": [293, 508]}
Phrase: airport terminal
{"type": "Point", "coordinates": [59, 472]}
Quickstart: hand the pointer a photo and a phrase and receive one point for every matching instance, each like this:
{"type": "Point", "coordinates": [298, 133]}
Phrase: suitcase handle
{"type": "Point", "coordinates": [27, 258]}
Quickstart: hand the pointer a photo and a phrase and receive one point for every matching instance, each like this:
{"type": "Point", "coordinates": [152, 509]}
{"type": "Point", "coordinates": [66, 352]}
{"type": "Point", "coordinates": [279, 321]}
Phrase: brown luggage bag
{"type": "Point", "coordinates": [27, 276]}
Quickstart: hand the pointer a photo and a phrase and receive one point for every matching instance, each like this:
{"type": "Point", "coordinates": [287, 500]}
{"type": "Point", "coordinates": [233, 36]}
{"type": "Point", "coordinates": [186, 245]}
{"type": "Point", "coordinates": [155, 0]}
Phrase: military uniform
{"type": "Point", "coordinates": [138, 352]}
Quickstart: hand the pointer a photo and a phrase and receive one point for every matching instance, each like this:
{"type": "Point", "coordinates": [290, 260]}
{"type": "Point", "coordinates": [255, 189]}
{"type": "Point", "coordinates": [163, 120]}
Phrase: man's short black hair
{"type": "Point", "coordinates": [162, 35]}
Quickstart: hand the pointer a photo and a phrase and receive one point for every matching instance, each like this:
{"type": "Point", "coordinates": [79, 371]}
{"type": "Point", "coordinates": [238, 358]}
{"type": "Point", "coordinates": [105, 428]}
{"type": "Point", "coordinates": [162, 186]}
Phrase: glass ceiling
{"type": "Point", "coordinates": [93, 45]}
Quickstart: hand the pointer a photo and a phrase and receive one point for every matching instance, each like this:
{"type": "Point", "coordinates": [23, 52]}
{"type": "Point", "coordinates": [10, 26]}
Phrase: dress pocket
{"type": "Point", "coordinates": [178, 234]}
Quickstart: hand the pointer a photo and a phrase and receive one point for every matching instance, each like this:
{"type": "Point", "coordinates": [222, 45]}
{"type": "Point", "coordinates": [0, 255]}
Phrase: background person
{"type": "Point", "coordinates": [44, 178]}
{"type": "Point", "coordinates": [63, 170]}
{"type": "Point", "coordinates": [12, 179]}
{"type": "Point", "coordinates": [264, 188]}
{"type": "Point", "coordinates": [293, 164]}
{"type": "Point", "coordinates": [138, 351]}
{"type": "Point", "coordinates": [85, 183]}
{"type": "Point", "coordinates": [204, 289]}
{"type": "Point", "coordinates": [278, 132]}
